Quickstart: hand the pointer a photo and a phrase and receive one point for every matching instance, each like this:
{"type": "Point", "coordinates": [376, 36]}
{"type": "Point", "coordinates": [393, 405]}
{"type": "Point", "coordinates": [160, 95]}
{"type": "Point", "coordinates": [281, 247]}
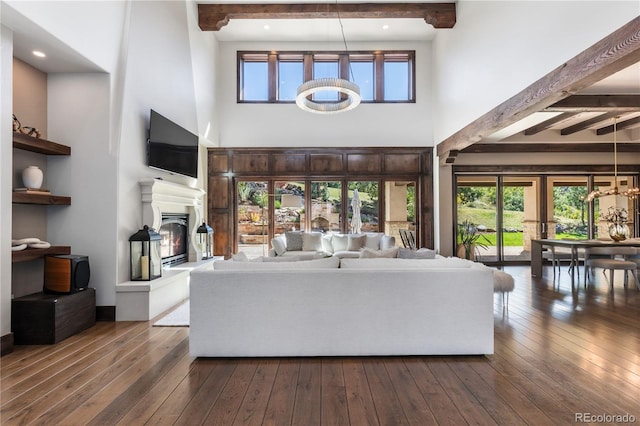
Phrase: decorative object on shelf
{"type": "Point", "coordinates": [146, 263]}
{"type": "Point", "coordinates": [32, 177]}
{"type": "Point", "coordinates": [32, 242]}
{"type": "Point", "coordinates": [469, 240]}
{"type": "Point", "coordinates": [333, 84]}
{"type": "Point", "coordinates": [618, 226]}
{"type": "Point", "coordinates": [205, 240]}
{"type": "Point", "coordinates": [31, 131]}
{"type": "Point", "coordinates": [16, 123]}
{"type": "Point", "coordinates": [629, 192]}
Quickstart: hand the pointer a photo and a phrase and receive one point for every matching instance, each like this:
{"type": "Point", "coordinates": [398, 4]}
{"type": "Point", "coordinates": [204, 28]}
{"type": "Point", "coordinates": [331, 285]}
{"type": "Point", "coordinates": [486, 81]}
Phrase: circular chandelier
{"type": "Point", "coordinates": [339, 85]}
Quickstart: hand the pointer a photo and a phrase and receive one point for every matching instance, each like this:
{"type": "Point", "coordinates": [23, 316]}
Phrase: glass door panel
{"type": "Point", "coordinates": [400, 208]}
{"type": "Point", "coordinates": [368, 194]}
{"type": "Point", "coordinates": [568, 214]}
{"type": "Point", "coordinates": [603, 205]}
{"type": "Point", "coordinates": [326, 206]}
{"type": "Point", "coordinates": [477, 212]}
{"type": "Point", "coordinates": [253, 217]}
{"type": "Point", "coordinates": [288, 204]}
{"type": "Point", "coordinates": [520, 216]}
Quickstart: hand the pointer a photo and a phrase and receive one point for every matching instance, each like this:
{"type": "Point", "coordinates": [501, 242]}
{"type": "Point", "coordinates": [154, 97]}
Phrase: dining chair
{"type": "Point", "coordinates": [611, 258]}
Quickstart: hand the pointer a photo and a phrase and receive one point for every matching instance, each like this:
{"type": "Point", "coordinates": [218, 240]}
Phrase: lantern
{"type": "Point", "coordinates": [205, 240]}
{"type": "Point", "coordinates": [146, 263]}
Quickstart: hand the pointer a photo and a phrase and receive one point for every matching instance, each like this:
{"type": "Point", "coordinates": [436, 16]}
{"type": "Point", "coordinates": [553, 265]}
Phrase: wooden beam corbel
{"type": "Point", "coordinates": [214, 16]}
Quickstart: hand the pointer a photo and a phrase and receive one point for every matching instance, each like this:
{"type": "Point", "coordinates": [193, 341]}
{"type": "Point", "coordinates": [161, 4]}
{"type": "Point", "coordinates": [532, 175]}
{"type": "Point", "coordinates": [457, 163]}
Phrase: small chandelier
{"type": "Point", "coordinates": [340, 85]}
{"type": "Point", "coordinates": [630, 192]}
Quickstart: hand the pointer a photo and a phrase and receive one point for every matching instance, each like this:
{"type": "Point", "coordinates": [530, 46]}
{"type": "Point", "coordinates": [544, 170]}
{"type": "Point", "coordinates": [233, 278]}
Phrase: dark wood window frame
{"type": "Point", "coordinates": [227, 166]}
{"type": "Point", "coordinates": [378, 57]}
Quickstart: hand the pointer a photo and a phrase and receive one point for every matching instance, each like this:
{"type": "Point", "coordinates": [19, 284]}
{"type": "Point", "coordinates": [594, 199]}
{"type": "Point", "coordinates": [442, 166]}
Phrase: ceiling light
{"type": "Point", "coordinates": [39, 54]}
{"type": "Point", "coordinates": [630, 192]}
{"type": "Point", "coordinates": [340, 85]}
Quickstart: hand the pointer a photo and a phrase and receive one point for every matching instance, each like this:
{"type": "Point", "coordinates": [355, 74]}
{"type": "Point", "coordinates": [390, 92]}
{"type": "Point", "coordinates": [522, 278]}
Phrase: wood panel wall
{"type": "Point", "coordinates": [228, 165]}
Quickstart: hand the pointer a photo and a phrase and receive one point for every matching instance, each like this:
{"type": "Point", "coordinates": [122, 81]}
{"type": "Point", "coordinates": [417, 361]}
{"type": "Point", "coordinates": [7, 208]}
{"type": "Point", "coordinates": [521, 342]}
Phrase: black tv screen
{"type": "Point", "coordinates": [171, 148]}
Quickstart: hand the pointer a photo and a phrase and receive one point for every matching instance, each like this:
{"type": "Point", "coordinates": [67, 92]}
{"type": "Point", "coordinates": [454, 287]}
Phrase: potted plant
{"type": "Point", "coordinates": [469, 240]}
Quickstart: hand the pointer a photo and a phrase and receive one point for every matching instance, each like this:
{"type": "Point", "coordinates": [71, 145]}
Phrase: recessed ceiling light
{"type": "Point", "coordinates": [266, 27]}
{"type": "Point", "coordinates": [385, 27]}
{"type": "Point", "coordinates": [39, 54]}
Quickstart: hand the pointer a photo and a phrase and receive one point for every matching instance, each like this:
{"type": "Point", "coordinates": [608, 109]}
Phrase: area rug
{"type": "Point", "coordinates": [179, 317]}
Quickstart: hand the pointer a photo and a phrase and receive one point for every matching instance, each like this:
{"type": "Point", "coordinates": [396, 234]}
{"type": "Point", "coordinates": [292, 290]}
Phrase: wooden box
{"type": "Point", "coordinates": [39, 318]}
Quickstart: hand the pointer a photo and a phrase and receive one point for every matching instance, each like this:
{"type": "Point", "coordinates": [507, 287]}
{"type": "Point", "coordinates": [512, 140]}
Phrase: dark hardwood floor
{"type": "Point", "coordinates": [559, 354]}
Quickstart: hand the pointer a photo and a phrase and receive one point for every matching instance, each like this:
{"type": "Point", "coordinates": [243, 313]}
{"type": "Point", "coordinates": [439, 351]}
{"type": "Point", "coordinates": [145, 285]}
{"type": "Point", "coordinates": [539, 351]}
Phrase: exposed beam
{"type": "Point", "coordinates": [588, 123]}
{"type": "Point", "coordinates": [549, 123]}
{"type": "Point", "coordinates": [633, 122]}
{"type": "Point", "coordinates": [212, 17]}
{"type": "Point", "coordinates": [608, 56]}
{"type": "Point", "coordinates": [491, 148]}
{"type": "Point", "coordinates": [578, 103]}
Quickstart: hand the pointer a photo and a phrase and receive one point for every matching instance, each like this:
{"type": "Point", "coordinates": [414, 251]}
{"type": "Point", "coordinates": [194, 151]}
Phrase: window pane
{"type": "Point", "coordinates": [326, 206]}
{"type": "Point", "coordinates": [289, 207]}
{"type": "Point", "coordinates": [253, 218]}
{"type": "Point", "coordinates": [363, 77]}
{"type": "Point", "coordinates": [396, 81]}
{"type": "Point", "coordinates": [255, 81]}
{"type": "Point", "coordinates": [368, 194]}
{"type": "Point", "coordinates": [570, 215]}
{"type": "Point", "coordinates": [290, 76]}
{"type": "Point", "coordinates": [324, 70]}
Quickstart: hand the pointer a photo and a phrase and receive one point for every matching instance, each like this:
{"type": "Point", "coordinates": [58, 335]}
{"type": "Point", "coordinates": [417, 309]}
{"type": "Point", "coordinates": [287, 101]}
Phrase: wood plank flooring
{"type": "Point", "coordinates": [559, 353]}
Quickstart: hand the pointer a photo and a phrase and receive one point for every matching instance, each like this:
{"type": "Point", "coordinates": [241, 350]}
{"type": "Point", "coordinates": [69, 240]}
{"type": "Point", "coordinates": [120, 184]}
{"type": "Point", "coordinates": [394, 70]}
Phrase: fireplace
{"type": "Point", "coordinates": [174, 231]}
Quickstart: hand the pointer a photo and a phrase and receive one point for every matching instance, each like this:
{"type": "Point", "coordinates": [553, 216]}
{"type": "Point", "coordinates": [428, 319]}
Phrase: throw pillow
{"type": "Point", "coordinates": [279, 244]}
{"type": "Point", "coordinates": [240, 257]}
{"type": "Point", "coordinates": [367, 253]}
{"type": "Point", "coordinates": [294, 240]}
{"type": "Point", "coordinates": [356, 242]}
{"type": "Point", "coordinates": [312, 241]}
{"type": "Point", "coordinates": [423, 253]}
{"type": "Point", "coordinates": [340, 242]}
{"type": "Point", "coordinates": [281, 259]}
{"type": "Point", "coordinates": [373, 240]}
{"type": "Point", "coordinates": [326, 244]}
{"type": "Point", "coordinates": [387, 242]}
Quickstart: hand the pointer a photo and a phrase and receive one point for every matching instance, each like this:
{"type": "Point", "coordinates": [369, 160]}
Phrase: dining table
{"type": "Point", "coordinates": [539, 245]}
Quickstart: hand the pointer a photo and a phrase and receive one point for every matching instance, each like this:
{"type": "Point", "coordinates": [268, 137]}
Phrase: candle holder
{"type": "Point", "coordinates": [146, 263]}
{"type": "Point", "coordinates": [205, 240]}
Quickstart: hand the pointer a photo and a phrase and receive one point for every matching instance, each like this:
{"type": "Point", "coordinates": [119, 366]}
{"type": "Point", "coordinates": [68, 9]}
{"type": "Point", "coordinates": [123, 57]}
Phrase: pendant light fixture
{"type": "Point", "coordinates": [630, 192]}
{"type": "Point", "coordinates": [304, 98]}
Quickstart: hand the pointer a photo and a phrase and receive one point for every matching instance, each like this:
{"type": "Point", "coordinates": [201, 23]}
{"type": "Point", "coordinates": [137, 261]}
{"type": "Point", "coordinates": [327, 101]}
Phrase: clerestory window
{"type": "Point", "coordinates": [274, 77]}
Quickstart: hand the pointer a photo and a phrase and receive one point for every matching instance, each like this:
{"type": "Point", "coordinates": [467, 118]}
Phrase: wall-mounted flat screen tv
{"type": "Point", "coordinates": [171, 148]}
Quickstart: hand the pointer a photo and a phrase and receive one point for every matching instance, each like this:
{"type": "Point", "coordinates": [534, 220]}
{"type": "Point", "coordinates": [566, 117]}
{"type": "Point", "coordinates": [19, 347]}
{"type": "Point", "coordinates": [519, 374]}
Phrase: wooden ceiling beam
{"type": "Point", "coordinates": [549, 123]}
{"type": "Point", "coordinates": [579, 103]}
{"type": "Point", "coordinates": [588, 123]}
{"type": "Point", "coordinates": [525, 148]}
{"type": "Point", "coordinates": [633, 122]}
{"type": "Point", "coordinates": [212, 16]}
{"type": "Point", "coordinates": [613, 53]}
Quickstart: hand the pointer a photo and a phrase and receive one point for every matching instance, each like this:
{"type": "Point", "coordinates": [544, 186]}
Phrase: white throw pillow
{"type": "Point", "coordinates": [279, 245]}
{"type": "Point", "coordinates": [423, 253]}
{"type": "Point", "coordinates": [339, 242]}
{"type": "Point", "coordinates": [387, 242]}
{"type": "Point", "coordinates": [312, 241]}
{"type": "Point", "coordinates": [373, 240]}
{"type": "Point", "coordinates": [326, 244]}
{"type": "Point", "coordinates": [356, 242]}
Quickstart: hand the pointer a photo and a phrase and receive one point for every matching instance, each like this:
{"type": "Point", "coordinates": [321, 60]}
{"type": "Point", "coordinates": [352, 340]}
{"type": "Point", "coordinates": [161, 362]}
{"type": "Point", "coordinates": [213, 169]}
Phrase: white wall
{"type": "Point", "coordinates": [6, 154]}
{"type": "Point", "coordinates": [285, 125]}
{"type": "Point", "coordinates": [498, 48]}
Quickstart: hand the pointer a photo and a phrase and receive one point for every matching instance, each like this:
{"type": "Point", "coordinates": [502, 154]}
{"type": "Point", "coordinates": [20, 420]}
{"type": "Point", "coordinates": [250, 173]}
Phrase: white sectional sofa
{"type": "Point", "coordinates": [308, 245]}
{"type": "Point", "coordinates": [364, 307]}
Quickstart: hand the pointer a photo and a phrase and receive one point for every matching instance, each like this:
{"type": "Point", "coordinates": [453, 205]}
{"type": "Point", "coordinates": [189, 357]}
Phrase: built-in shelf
{"type": "Point", "coordinates": [33, 254]}
{"type": "Point", "coordinates": [41, 146]}
{"type": "Point", "coordinates": [43, 199]}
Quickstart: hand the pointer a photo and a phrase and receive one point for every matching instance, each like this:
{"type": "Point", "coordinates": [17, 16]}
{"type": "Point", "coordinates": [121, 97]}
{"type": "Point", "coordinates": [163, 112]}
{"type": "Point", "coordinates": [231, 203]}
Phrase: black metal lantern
{"type": "Point", "coordinates": [205, 240]}
{"type": "Point", "coordinates": [146, 263]}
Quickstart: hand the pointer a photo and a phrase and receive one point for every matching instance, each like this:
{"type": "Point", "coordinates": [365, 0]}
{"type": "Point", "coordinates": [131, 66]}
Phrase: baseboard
{"type": "Point", "coordinates": [105, 313]}
{"type": "Point", "coordinates": [6, 344]}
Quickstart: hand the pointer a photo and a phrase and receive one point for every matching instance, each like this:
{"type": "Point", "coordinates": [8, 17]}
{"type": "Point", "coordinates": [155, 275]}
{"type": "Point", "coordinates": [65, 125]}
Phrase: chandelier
{"type": "Point", "coordinates": [630, 192]}
{"type": "Point", "coordinates": [304, 97]}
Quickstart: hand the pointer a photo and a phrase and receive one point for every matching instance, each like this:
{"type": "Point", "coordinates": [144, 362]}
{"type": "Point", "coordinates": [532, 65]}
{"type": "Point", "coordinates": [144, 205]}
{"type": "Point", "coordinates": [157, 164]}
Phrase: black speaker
{"type": "Point", "coordinates": [66, 274]}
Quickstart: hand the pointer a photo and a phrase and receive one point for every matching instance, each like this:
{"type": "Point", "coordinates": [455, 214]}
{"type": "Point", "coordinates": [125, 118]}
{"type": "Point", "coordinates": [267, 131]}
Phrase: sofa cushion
{"type": "Point", "coordinates": [423, 253]}
{"type": "Point", "coordinates": [312, 241]}
{"type": "Point", "coordinates": [380, 263]}
{"type": "Point", "coordinates": [324, 263]}
{"type": "Point", "coordinates": [279, 245]}
{"type": "Point", "coordinates": [356, 242]}
{"type": "Point", "coordinates": [281, 259]}
{"type": "Point", "coordinates": [367, 253]}
{"type": "Point", "coordinates": [326, 244]}
{"type": "Point", "coordinates": [294, 240]}
{"type": "Point", "coordinates": [373, 240]}
{"type": "Point", "coordinates": [339, 242]}
{"type": "Point", "coordinates": [387, 242]}
{"type": "Point", "coordinates": [346, 253]}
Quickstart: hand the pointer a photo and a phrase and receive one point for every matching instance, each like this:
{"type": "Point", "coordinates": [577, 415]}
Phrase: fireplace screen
{"type": "Point", "coordinates": [174, 232]}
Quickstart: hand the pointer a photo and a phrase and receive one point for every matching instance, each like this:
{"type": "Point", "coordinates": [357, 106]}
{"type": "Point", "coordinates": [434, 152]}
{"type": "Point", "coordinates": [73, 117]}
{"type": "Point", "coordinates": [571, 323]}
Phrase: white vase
{"type": "Point", "coordinates": [32, 177]}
